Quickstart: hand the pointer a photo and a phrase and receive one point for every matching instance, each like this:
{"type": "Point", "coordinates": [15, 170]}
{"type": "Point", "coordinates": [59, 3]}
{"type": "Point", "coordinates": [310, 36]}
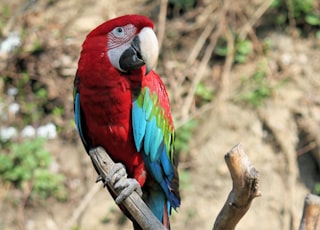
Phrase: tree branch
{"type": "Point", "coordinates": [311, 213]}
{"type": "Point", "coordinates": [134, 204]}
{"type": "Point", "coordinates": [245, 188]}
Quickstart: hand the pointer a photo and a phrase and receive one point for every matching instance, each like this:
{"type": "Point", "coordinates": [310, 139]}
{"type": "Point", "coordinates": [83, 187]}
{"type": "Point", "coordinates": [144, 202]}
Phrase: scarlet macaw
{"type": "Point", "coordinates": [121, 104]}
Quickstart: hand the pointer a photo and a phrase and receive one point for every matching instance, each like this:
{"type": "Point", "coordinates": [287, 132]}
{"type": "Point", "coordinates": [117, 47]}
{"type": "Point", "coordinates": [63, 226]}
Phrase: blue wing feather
{"type": "Point", "coordinates": [166, 164]}
{"type": "Point", "coordinates": [77, 118]}
{"type": "Point", "coordinates": [150, 137]}
{"type": "Point", "coordinates": [157, 140]}
{"type": "Point", "coordinates": [163, 177]}
{"type": "Point", "coordinates": [139, 124]}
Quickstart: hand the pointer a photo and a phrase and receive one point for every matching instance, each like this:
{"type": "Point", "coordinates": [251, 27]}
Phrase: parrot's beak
{"type": "Point", "coordinates": [144, 49]}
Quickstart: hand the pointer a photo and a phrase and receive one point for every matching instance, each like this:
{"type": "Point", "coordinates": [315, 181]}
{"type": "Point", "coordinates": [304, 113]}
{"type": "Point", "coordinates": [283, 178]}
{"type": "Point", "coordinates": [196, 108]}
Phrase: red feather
{"type": "Point", "coordinates": [106, 100]}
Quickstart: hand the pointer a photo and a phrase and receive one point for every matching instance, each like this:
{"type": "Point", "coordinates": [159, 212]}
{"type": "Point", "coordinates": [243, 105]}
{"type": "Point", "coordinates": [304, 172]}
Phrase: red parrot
{"type": "Point", "coordinates": [121, 104]}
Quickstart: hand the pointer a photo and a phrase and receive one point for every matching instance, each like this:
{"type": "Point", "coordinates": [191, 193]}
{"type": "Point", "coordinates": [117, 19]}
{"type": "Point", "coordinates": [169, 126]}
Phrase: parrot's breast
{"type": "Point", "coordinates": [107, 113]}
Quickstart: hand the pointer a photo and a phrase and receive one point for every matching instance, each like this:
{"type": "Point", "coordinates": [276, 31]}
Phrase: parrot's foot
{"type": "Point", "coordinates": [99, 178]}
{"type": "Point", "coordinates": [125, 186]}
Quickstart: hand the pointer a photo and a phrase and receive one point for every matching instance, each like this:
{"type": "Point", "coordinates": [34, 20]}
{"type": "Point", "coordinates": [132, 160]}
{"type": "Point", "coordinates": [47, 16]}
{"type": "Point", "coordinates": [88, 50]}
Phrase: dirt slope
{"type": "Point", "coordinates": [270, 134]}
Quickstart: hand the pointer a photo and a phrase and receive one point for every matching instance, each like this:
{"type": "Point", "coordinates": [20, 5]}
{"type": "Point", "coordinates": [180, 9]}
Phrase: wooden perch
{"type": "Point", "coordinates": [311, 213]}
{"type": "Point", "coordinates": [245, 188]}
{"type": "Point", "coordinates": [134, 204]}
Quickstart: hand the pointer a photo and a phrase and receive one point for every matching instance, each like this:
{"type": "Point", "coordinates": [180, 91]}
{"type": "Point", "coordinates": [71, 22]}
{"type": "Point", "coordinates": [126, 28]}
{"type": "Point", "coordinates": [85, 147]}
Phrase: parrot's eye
{"type": "Point", "coordinates": [118, 32]}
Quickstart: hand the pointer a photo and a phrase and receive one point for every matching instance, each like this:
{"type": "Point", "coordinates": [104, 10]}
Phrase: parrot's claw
{"type": "Point", "coordinates": [116, 173]}
{"type": "Point", "coordinates": [125, 186]}
{"type": "Point", "coordinates": [99, 178]}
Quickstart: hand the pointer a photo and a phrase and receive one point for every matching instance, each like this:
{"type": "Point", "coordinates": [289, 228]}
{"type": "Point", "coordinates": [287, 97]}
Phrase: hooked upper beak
{"type": "Point", "coordinates": [144, 49]}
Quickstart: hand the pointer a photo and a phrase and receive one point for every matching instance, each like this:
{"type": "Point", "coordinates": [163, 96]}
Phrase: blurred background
{"type": "Point", "coordinates": [236, 72]}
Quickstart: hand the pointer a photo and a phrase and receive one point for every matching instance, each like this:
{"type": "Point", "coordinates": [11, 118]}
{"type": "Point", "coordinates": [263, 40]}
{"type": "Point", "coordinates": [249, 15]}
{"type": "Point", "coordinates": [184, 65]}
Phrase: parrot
{"type": "Point", "coordinates": [121, 104]}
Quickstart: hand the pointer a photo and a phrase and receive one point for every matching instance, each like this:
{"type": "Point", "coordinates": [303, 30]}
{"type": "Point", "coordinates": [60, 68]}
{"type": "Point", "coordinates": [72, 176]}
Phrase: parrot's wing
{"type": "Point", "coordinates": [78, 117]}
{"type": "Point", "coordinates": [154, 135]}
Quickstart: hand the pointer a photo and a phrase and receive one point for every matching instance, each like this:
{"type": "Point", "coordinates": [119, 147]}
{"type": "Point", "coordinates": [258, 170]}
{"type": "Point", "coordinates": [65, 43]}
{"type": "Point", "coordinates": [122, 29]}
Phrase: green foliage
{"type": "Point", "coordinates": [221, 48]}
{"type": "Point", "coordinates": [303, 12]}
{"type": "Point", "coordinates": [75, 228]}
{"type": "Point", "coordinates": [32, 98]}
{"type": "Point", "coordinates": [185, 4]}
{"type": "Point", "coordinates": [257, 88]}
{"type": "Point", "coordinates": [242, 49]}
{"type": "Point", "coordinates": [5, 14]}
{"type": "Point", "coordinates": [313, 19]}
{"type": "Point", "coordinates": [58, 111]}
{"type": "Point", "coordinates": [48, 184]}
{"type": "Point", "coordinates": [36, 46]}
{"type": "Point", "coordinates": [204, 92]}
{"type": "Point", "coordinates": [29, 162]}
{"type": "Point", "coordinates": [106, 219]}
{"type": "Point", "coordinates": [41, 94]}
{"type": "Point", "coordinates": [183, 135]}
{"type": "Point", "coordinates": [184, 179]}
{"type": "Point", "coordinates": [267, 44]}
{"type": "Point", "coordinates": [302, 8]}
{"type": "Point", "coordinates": [316, 189]}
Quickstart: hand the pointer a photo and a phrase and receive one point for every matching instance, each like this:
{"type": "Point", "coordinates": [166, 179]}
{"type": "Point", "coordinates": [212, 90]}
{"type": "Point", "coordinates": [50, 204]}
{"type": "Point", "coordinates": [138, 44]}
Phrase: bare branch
{"type": "Point", "coordinates": [134, 204]}
{"type": "Point", "coordinates": [245, 188]}
{"type": "Point", "coordinates": [311, 213]}
{"type": "Point", "coordinates": [162, 21]}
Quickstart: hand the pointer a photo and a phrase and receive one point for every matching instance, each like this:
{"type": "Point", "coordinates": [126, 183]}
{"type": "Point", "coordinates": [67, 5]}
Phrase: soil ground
{"type": "Point", "coordinates": [271, 134]}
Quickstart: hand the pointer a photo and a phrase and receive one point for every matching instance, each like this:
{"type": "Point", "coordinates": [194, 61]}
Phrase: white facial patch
{"type": "Point", "coordinates": [115, 54]}
{"type": "Point", "coordinates": [119, 39]}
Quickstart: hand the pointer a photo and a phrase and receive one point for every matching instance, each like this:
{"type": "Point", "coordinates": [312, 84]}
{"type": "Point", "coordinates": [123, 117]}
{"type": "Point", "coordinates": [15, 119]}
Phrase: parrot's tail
{"type": "Point", "coordinates": [165, 221]}
{"type": "Point", "coordinates": [157, 201]}
{"type": "Point", "coordinates": [165, 218]}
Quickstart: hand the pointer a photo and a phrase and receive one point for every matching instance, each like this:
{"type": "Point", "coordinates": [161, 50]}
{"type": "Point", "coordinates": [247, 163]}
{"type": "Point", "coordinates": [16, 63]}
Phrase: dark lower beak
{"type": "Point", "coordinates": [131, 58]}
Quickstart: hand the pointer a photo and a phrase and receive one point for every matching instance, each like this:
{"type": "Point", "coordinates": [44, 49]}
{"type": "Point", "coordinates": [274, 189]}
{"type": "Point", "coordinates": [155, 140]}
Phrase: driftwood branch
{"type": "Point", "coordinates": [245, 189]}
{"type": "Point", "coordinates": [134, 204]}
{"type": "Point", "coordinates": [311, 213]}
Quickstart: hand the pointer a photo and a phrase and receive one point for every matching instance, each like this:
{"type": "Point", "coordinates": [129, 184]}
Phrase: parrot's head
{"type": "Point", "coordinates": [130, 42]}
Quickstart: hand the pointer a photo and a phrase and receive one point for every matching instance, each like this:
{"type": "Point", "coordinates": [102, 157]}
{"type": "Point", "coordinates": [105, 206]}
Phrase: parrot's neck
{"type": "Point", "coordinates": [136, 77]}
